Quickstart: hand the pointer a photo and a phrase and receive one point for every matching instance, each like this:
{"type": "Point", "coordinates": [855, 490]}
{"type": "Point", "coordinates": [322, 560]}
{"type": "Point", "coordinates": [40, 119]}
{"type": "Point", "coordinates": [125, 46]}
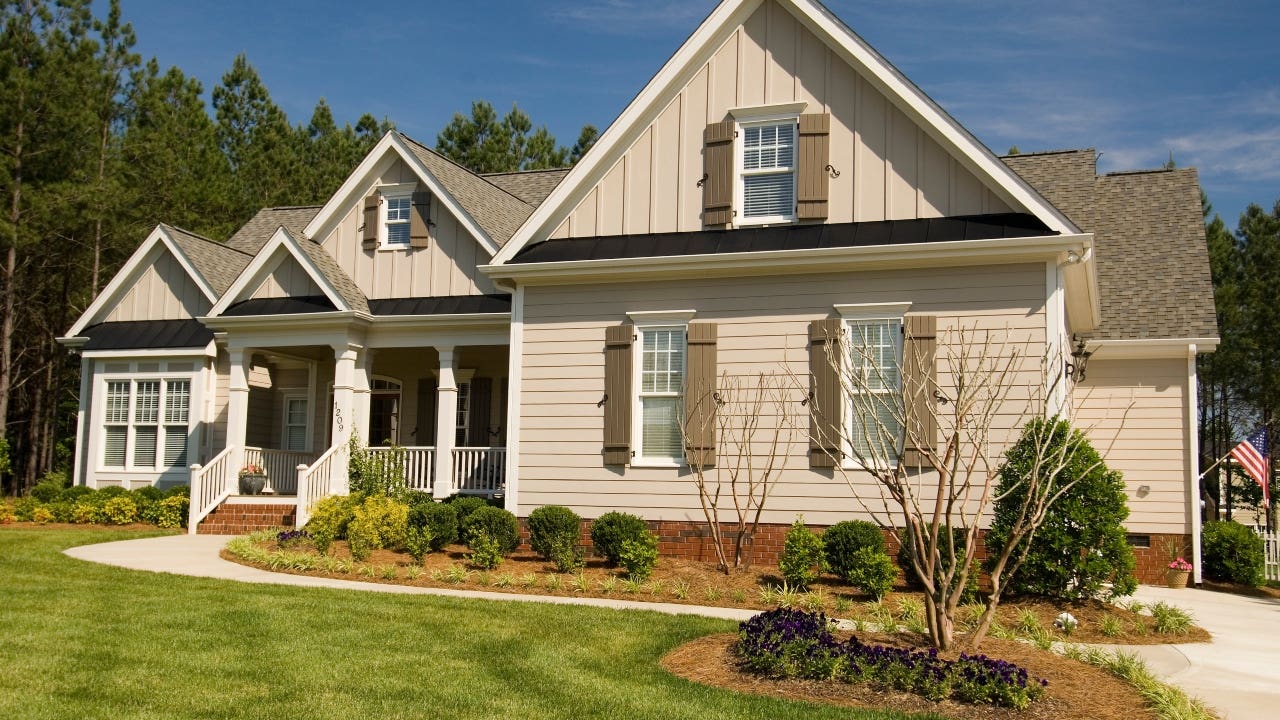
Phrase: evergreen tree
{"type": "Point", "coordinates": [485, 144]}
{"type": "Point", "coordinates": [255, 135]}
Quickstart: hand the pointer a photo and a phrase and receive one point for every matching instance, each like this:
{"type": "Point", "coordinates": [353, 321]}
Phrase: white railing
{"type": "Point", "coordinates": [280, 466]}
{"type": "Point", "coordinates": [479, 470]}
{"type": "Point", "coordinates": [210, 485]}
{"type": "Point", "coordinates": [326, 476]}
{"type": "Point", "coordinates": [418, 464]}
{"type": "Point", "coordinates": [1271, 552]}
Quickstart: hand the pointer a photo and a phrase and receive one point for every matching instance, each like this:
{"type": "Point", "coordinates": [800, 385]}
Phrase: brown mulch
{"type": "Point", "coordinates": [1075, 690]}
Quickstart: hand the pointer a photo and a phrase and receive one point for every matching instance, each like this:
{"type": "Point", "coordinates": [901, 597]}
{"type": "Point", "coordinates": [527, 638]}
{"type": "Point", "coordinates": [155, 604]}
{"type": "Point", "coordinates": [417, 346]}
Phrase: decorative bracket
{"type": "Point", "coordinates": [705, 176]}
{"type": "Point", "coordinates": [834, 172]}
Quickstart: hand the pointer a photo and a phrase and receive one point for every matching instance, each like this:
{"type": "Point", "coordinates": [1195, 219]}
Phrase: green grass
{"type": "Point", "coordinates": [82, 640]}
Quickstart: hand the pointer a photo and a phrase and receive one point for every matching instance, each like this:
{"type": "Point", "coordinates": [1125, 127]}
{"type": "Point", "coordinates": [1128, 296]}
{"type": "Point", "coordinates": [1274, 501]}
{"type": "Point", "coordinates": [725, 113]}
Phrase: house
{"type": "Point", "coordinates": [530, 335]}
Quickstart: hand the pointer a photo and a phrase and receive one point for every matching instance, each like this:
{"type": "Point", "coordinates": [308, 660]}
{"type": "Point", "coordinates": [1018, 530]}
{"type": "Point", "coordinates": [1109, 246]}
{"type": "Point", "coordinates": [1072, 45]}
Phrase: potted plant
{"type": "Point", "coordinates": [252, 479]}
{"type": "Point", "coordinates": [1178, 573]}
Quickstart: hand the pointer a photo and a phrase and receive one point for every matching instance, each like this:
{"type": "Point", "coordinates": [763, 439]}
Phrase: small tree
{"type": "Point", "coordinates": [743, 466]}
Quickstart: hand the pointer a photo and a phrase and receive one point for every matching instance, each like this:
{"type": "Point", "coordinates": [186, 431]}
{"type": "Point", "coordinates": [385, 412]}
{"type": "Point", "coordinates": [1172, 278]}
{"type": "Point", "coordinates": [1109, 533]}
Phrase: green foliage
{"type": "Point", "coordinates": [75, 493]}
{"type": "Point", "coordinates": [498, 525]}
{"type": "Point", "coordinates": [802, 555]}
{"type": "Point", "coordinates": [440, 520]}
{"type": "Point", "coordinates": [377, 522]}
{"type": "Point", "coordinates": [330, 519]}
{"type": "Point", "coordinates": [46, 492]}
{"type": "Point", "coordinates": [24, 507]}
{"type": "Point", "coordinates": [464, 505]}
{"type": "Point", "coordinates": [1232, 552]}
{"type": "Point", "coordinates": [1081, 546]}
{"type": "Point", "coordinates": [376, 473]}
{"type": "Point", "coordinates": [182, 491]}
{"type": "Point", "coordinates": [842, 541]}
{"type": "Point", "coordinates": [553, 533]}
{"type": "Point", "coordinates": [486, 143]}
{"type": "Point", "coordinates": [639, 555]}
{"type": "Point", "coordinates": [871, 571]}
{"type": "Point", "coordinates": [108, 492]}
{"type": "Point", "coordinates": [486, 552]}
{"type": "Point", "coordinates": [169, 512]}
{"type": "Point", "coordinates": [611, 529]}
{"type": "Point", "coordinates": [148, 494]}
{"type": "Point", "coordinates": [418, 542]}
{"type": "Point", "coordinates": [6, 513]}
{"type": "Point", "coordinates": [120, 511]}
{"type": "Point", "coordinates": [958, 544]}
{"type": "Point", "coordinates": [1170, 620]}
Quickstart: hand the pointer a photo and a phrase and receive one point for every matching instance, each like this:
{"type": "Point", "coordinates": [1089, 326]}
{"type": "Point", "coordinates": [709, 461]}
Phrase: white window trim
{"type": "Point", "coordinates": [284, 430]}
{"type": "Point", "coordinates": [386, 193]}
{"type": "Point", "coordinates": [747, 117]}
{"type": "Point", "coordinates": [868, 312]}
{"type": "Point", "coordinates": [98, 449]}
{"type": "Point", "coordinates": [655, 320]}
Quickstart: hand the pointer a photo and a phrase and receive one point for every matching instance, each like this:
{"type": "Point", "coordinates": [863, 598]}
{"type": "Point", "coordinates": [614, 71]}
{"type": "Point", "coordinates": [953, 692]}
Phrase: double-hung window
{"type": "Point", "coordinates": [661, 378]}
{"type": "Point", "coordinates": [145, 423]}
{"type": "Point", "coordinates": [395, 221]}
{"type": "Point", "coordinates": [875, 366]}
{"type": "Point", "coordinates": [463, 424]}
{"type": "Point", "coordinates": [767, 167]}
{"type": "Point", "coordinates": [295, 422]}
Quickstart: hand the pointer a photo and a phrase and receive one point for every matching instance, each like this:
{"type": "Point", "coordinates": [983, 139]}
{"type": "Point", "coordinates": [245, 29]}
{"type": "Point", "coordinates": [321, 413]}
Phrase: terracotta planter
{"type": "Point", "coordinates": [1177, 578]}
{"type": "Point", "coordinates": [252, 484]}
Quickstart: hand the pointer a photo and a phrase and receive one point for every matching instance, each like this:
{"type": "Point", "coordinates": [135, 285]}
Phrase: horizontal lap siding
{"type": "Point", "coordinates": [762, 326]}
{"type": "Point", "coordinates": [1147, 443]}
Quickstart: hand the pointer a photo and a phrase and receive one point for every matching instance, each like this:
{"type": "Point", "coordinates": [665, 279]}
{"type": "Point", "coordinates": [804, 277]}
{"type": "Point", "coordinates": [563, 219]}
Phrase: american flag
{"type": "Point", "coordinates": [1252, 454]}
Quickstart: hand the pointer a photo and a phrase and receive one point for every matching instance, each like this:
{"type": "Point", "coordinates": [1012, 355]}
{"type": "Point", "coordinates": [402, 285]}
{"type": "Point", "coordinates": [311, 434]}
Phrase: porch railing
{"type": "Point", "coordinates": [418, 464]}
{"type": "Point", "coordinates": [326, 476]}
{"type": "Point", "coordinates": [280, 466]}
{"type": "Point", "coordinates": [211, 483]}
{"type": "Point", "coordinates": [479, 470]}
{"type": "Point", "coordinates": [1271, 552]}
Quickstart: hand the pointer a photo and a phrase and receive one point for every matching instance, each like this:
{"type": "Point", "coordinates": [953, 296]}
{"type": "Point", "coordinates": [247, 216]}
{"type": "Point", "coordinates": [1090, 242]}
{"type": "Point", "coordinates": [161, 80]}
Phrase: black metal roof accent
{"type": "Point", "coordinates": [147, 334]}
{"type": "Point", "coordinates": [281, 306]}
{"type": "Point", "coordinates": [446, 305]}
{"type": "Point", "coordinates": [787, 237]}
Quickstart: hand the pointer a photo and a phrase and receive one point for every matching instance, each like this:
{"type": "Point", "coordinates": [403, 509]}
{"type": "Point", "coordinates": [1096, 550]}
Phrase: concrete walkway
{"type": "Point", "coordinates": [1238, 674]}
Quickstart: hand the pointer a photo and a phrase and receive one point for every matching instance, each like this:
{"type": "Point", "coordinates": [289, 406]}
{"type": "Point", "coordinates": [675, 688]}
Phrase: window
{"type": "Point", "coordinates": [295, 422]}
{"type": "Point", "coordinates": [396, 219]}
{"type": "Point", "coordinates": [768, 171]}
{"type": "Point", "coordinates": [875, 364]}
{"type": "Point", "coordinates": [464, 414]}
{"type": "Point", "coordinates": [661, 393]}
{"type": "Point", "coordinates": [145, 423]}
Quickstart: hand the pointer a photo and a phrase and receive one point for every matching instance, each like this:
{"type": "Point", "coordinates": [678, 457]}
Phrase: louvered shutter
{"type": "Point", "coordinates": [369, 232]}
{"type": "Point", "coordinates": [617, 390]}
{"type": "Point", "coordinates": [825, 415]}
{"type": "Point", "coordinates": [812, 181]}
{"type": "Point", "coordinates": [920, 379]}
{"type": "Point", "coordinates": [426, 430]}
{"type": "Point", "coordinates": [420, 220]}
{"type": "Point", "coordinates": [700, 403]}
{"type": "Point", "coordinates": [717, 165]}
{"type": "Point", "coordinates": [481, 395]}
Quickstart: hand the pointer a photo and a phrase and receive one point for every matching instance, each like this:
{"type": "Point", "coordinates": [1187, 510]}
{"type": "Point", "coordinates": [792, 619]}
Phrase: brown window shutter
{"type": "Point", "coordinates": [717, 165]}
{"type": "Point", "coordinates": [481, 397]}
{"type": "Point", "coordinates": [420, 220]}
{"type": "Point", "coordinates": [825, 416]}
{"type": "Point", "coordinates": [617, 393]}
{"type": "Point", "coordinates": [920, 379]}
{"type": "Point", "coordinates": [812, 181]}
{"type": "Point", "coordinates": [700, 400]}
{"type": "Point", "coordinates": [369, 232]}
{"type": "Point", "coordinates": [426, 430]}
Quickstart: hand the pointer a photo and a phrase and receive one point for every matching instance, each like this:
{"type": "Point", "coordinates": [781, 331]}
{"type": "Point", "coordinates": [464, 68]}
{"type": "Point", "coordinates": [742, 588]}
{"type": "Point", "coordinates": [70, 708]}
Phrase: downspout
{"type": "Point", "coordinates": [515, 368]}
{"type": "Point", "coordinates": [1193, 462]}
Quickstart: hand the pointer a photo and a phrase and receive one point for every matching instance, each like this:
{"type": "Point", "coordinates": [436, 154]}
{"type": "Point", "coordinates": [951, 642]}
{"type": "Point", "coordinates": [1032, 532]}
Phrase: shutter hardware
{"type": "Point", "coordinates": [834, 172]}
{"type": "Point", "coordinates": [704, 179]}
{"type": "Point", "coordinates": [603, 400]}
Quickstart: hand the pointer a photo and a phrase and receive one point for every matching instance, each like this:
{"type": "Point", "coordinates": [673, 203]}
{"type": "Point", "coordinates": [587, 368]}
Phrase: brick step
{"type": "Point", "coordinates": [240, 519]}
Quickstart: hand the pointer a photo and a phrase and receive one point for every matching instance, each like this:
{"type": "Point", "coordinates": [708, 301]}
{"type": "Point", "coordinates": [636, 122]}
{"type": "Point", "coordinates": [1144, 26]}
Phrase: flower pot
{"type": "Point", "coordinates": [251, 484]}
{"type": "Point", "coordinates": [1177, 578]}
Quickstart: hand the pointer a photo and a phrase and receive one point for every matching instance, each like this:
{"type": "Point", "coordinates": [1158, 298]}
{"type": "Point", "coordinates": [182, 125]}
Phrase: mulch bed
{"type": "Point", "coordinates": [1075, 690]}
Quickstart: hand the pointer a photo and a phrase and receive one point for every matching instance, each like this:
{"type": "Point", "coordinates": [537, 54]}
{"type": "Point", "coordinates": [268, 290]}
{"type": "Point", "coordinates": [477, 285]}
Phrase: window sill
{"type": "Point", "coordinates": [394, 248]}
{"type": "Point", "coordinates": [764, 221]}
{"type": "Point", "coordinates": [657, 463]}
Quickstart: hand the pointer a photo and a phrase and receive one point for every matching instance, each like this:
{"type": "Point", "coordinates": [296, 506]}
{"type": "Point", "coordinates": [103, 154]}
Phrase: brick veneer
{"type": "Point", "coordinates": [1153, 562]}
{"type": "Point", "coordinates": [229, 519]}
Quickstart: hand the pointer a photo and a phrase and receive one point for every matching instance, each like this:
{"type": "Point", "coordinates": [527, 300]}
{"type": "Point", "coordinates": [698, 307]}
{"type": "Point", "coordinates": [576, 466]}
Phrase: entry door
{"type": "Point", "coordinates": [384, 419]}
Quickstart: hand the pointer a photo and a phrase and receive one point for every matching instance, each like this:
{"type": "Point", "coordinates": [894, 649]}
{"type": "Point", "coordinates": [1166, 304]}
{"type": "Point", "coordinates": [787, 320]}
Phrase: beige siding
{"type": "Point", "coordinates": [762, 327]}
{"type": "Point", "coordinates": [289, 279]}
{"type": "Point", "coordinates": [221, 399]}
{"type": "Point", "coordinates": [164, 292]}
{"type": "Point", "coordinates": [447, 267]}
{"type": "Point", "coordinates": [889, 167]}
{"type": "Point", "coordinates": [1136, 410]}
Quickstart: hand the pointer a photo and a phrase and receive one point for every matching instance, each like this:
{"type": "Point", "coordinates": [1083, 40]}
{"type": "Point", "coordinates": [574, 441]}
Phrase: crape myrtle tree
{"type": "Point", "coordinates": [928, 426]}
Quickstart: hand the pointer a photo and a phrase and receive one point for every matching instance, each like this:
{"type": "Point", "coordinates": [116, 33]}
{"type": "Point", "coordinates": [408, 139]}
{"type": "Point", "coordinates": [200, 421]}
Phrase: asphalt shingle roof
{"type": "Point", "coordinates": [218, 263]}
{"type": "Point", "coordinates": [1153, 262]}
{"type": "Point", "coordinates": [531, 186]}
{"type": "Point", "coordinates": [254, 234]}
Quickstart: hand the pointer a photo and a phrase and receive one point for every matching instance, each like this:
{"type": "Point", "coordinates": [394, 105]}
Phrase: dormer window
{"type": "Point", "coordinates": [768, 172]}
{"type": "Point", "coordinates": [396, 210]}
{"type": "Point", "coordinates": [396, 217]}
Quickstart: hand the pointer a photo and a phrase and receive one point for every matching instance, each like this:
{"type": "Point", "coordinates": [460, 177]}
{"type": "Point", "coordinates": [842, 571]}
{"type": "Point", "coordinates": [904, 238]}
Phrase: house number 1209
{"type": "Point", "coordinates": [337, 417]}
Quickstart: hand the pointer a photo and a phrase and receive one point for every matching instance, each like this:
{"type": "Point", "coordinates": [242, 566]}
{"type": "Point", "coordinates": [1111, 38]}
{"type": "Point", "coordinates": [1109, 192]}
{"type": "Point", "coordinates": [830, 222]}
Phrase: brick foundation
{"type": "Point", "coordinates": [235, 519]}
{"type": "Point", "coordinates": [1153, 561]}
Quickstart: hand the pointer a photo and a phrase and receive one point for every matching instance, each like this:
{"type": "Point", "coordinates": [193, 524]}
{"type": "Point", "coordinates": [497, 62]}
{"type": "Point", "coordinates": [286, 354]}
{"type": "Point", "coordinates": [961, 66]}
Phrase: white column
{"type": "Point", "coordinates": [362, 384]}
{"type": "Point", "coordinates": [446, 421]}
{"type": "Point", "coordinates": [344, 378]}
{"type": "Point", "coordinates": [80, 470]}
{"type": "Point", "coordinates": [515, 365]}
{"type": "Point", "coordinates": [1193, 462]}
{"type": "Point", "coordinates": [237, 406]}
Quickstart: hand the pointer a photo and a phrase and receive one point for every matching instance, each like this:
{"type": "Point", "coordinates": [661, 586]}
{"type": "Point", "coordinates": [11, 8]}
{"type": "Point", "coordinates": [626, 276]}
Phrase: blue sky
{"type": "Point", "coordinates": [1136, 80]}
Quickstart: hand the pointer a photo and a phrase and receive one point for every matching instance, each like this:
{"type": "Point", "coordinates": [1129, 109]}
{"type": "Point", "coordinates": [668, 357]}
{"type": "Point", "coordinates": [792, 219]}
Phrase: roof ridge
{"type": "Point", "coordinates": [524, 172]}
{"type": "Point", "coordinates": [209, 240]}
{"type": "Point", "coordinates": [1063, 151]}
{"type": "Point", "coordinates": [292, 207]}
{"type": "Point", "coordinates": [1148, 171]}
{"type": "Point", "coordinates": [464, 168]}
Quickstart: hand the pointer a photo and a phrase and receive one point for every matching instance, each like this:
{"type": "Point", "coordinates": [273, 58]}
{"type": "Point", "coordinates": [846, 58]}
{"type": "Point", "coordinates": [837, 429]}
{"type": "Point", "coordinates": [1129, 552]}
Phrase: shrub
{"type": "Point", "coordinates": [553, 533]}
{"type": "Point", "coordinates": [147, 494]}
{"type": "Point", "coordinates": [23, 508]}
{"type": "Point", "coordinates": [611, 529]}
{"type": "Point", "coordinates": [329, 520]}
{"type": "Point", "coordinates": [1081, 545]}
{"type": "Point", "coordinates": [639, 555]}
{"type": "Point", "coordinates": [108, 492]}
{"type": "Point", "coordinates": [76, 493]}
{"type": "Point", "coordinates": [6, 513]}
{"type": "Point", "coordinates": [170, 512]}
{"type": "Point", "coordinates": [41, 514]}
{"type": "Point", "coordinates": [378, 522]}
{"type": "Point", "coordinates": [497, 524]}
{"type": "Point", "coordinates": [1232, 553]}
{"type": "Point", "coordinates": [842, 540]}
{"type": "Point", "coordinates": [801, 555]}
{"type": "Point", "coordinates": [440, 519]}
{"type": "Point", "coordinates": [46, 492]}
{"type": "Point", "coordinates": [120, 511]}
{"type": "Point", "coordinates": [418, 541]}
{"type": "Point", "coordinates": [486, 553]}
{"type": "Point", "coordinates": [179, 491]}
{"type": "Point", "coordinates": [871, 571]}
{"type": "Point", "coordinates": [906, 554]}
{"type": "Point", "coordinates": [380, 473]}
{"type": "Point", "coordinates": [86, 511]}
{"type": "Point", "coordinates": [464, 505]}
{"type": "Point", "coordinates": [62, 511]}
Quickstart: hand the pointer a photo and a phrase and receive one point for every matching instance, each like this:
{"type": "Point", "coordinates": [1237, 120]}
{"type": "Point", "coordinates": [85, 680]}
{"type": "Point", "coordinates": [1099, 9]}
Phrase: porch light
{"type": "Point", "coordinates": [1079, 359]}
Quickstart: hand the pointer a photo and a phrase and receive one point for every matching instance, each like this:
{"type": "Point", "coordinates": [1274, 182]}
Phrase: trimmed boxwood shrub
{"type": "Point", "coordinates": [554, 530]}
{"type": "Point", "coordinates": [108, 492]}
{"type": "Point", "coordinates": [464, 505]}
{"type": "Point", "coordinates": [611, 529]}
{"type": "Point", "coordinates": [148, 494]}
{"type": "Point", "coordinates": [441, 519]}
{"type": "Point", "coordinates": [1081, 546]}
{"type": "Point", "coordinates": [179, 491]}
{"type": "Point", "coordinates": [802, 557]}
{"type": "Point", "coordinates": [75, 493]}
{"type": "Point", "coordinates": [639, 555]}
{"type": "Point", "coordinates": [1232, 553]}
{"type": "Point", "coordinates": [46, 492]}
{"type": "Point", "coordinates": [496, 524]}
{"type": "Point", "coordinates": [843, 540]}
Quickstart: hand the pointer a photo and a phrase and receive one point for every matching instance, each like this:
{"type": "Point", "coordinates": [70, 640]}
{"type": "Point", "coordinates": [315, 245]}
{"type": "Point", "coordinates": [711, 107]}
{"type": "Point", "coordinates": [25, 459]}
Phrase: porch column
{"type": "Point", "coordinates": [344, 378]}
{"type": "Point", "coordinates": [446, 421]}
{"type": "Point", "coordinates": [238, 405]}
{"type": "Point", "coordinates": [363, 382]}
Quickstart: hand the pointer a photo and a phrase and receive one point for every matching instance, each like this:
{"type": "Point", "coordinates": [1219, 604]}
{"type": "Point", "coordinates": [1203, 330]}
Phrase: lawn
{"type": "Point", "coordinates": [88, 641]}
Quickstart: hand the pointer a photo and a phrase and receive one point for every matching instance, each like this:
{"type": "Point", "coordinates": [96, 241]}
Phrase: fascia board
{"type": "Point", "coordinates": [190, 267]}
{"type": "Point", "coordinates": [257, 270]}
{"type": "Point", "coordinates": [208, 350]}
{"type": "Point", "coordinates": [277, 322]}
{"type": "Point", "coordinates": [780, 262]}
{"type": "Point", "coordinates": [1149, 348]}
{"type": "Point", "coordinates": [354, 182]}
{"type": "Point", "coordinates": [124, 280]}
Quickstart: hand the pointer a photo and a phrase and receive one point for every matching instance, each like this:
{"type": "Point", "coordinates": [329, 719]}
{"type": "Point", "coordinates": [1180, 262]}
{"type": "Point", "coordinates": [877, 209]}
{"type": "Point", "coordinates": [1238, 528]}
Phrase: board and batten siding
{"type": "Point", "coordinates": [446, 267]}
{"type": "Point", "coordinates": [763, 327]}
{"type": "Point", "coordinates": [164, 292]}
{"type": "Point", "coordinates": [1146, 442]}
{"type": "Point", "coordinates": [289, 279]}
{"type": "Point", "coordinates": [890, 168]}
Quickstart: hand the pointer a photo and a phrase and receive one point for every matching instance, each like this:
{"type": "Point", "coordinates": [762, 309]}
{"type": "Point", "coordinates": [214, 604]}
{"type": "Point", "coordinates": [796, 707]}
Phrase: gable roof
{"type": "Point", "coordinates": [338, 287]}
{"type": "Point", "coordinates": [1149, 244]}
{"type": "Point", "coordinates": [254, 234]}
{"type": "Point", "coordinates": [531, 186]}
{"type": "Point", "coordinates": [218, 263]}
{"type": "Point", "coordinates": [847, 45]}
